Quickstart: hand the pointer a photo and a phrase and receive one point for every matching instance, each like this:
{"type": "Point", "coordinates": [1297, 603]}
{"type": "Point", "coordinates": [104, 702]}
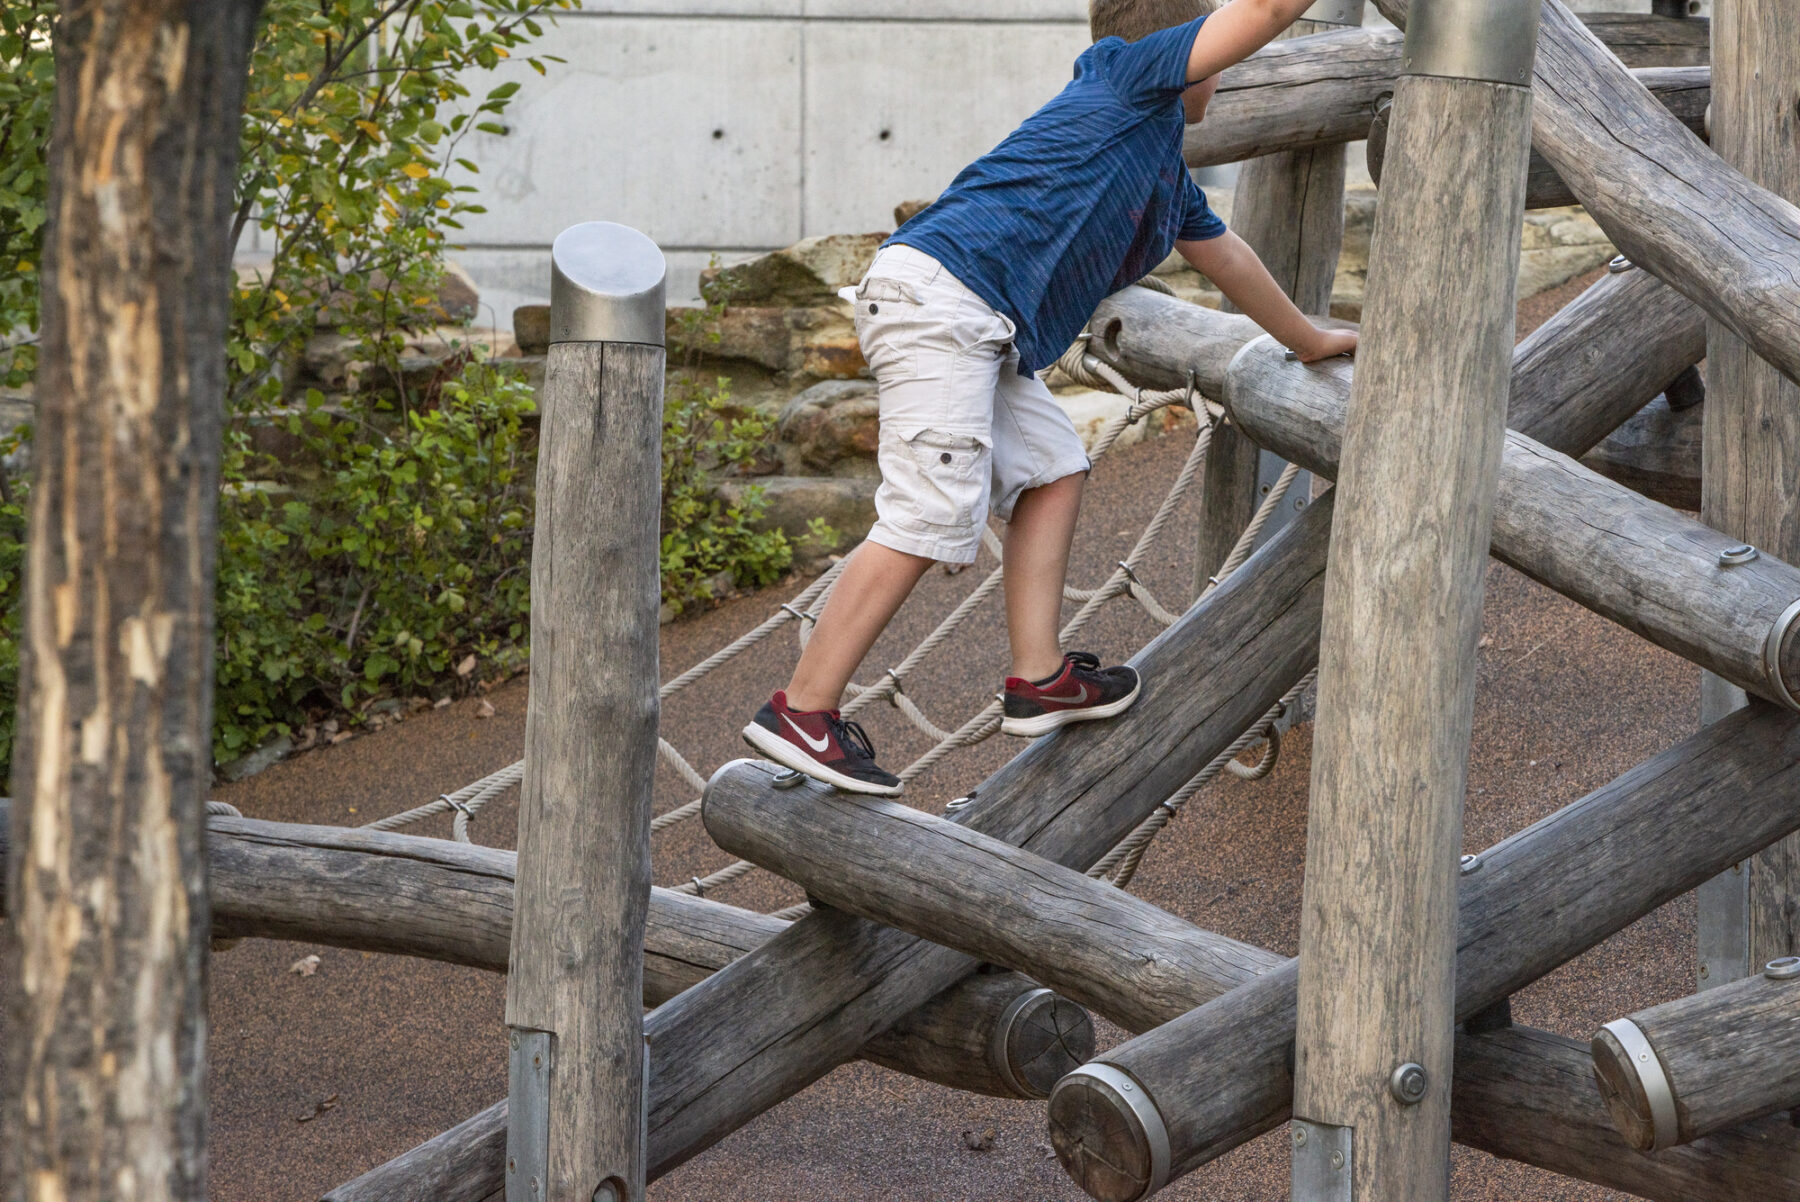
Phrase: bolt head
{"type": "Point", "coordinates": [1408, 1084]}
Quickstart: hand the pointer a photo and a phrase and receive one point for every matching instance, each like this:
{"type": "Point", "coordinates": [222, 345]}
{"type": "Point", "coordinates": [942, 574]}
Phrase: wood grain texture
{"type": "Point", "coordinates": [1529, 1096]}
{"type": "Point", "coordinates": [1684, 91]}
{"type": "Point", "coordinates": [1321, 90]}
{"type": "Point", "coordinates": [1289, 208]}
{"type": "Point", "coordinates": [577, 961]}
{"type": "Point", "coordinates": [103, 1081]}
{"type": "Point", "coordinates": [1420, 468]}
{"type": "Point", "coordinates": [1656, 453]}
{"type": "Point", "coordinates": [1219, 1075]}
{"type": "Point", "coordinates": [1751, 430]}
{"type": "Point", "coordinates": [1647, 567]}
{"type": "Point", "coordinates": [1730, 1055]}
{"type": "Point", "coordinates": [1665, 199]}
{"type": "Point", "coordinates": [1132, 962]}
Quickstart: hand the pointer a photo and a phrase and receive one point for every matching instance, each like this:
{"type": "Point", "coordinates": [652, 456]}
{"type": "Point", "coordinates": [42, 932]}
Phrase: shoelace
{"type": "Point", "coordinates": [1081, 659]}
{"type": "Point", "coordinates": [851, 734]}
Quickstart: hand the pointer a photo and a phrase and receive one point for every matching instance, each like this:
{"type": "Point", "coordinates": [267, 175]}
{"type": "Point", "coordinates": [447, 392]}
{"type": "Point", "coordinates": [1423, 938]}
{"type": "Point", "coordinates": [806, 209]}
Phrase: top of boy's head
{"type": "Point", "coordinates": [1135, 19]}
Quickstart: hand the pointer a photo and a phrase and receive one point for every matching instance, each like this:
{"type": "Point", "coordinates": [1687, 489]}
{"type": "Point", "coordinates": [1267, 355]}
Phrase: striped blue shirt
{"type": "Point", "coordinates": [1083, 199]}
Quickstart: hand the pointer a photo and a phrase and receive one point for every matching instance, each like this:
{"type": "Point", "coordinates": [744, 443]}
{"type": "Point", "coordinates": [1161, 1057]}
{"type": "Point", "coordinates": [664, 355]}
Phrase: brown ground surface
{"type": "Point", "coordinates": [1567, 702]}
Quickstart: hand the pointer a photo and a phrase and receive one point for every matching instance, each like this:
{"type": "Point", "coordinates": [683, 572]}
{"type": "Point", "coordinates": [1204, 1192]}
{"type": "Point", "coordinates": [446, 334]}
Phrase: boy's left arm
{"type": "Point", "coordinates": [1235, 269]}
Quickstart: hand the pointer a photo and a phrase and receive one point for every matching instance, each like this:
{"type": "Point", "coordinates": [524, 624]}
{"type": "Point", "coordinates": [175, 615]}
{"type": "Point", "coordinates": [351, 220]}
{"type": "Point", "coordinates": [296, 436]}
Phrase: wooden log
{"type": "Point", "coordinates": [837, 981]}
{"type": "Point", "coordinates": [1321, 90]}
{"type": "Point", "coordinates": [1751, 487]}
{"type": "Point", "coordinates": [1289, 209]}
{"type": "Point", "coordinates": [1397, 659]}
{"type": "Point", "coordinates": [1220, 1074]}
{"type": "Point", "coordinates": [1656, 453]}
{"type": "Point", "coordinates": [576, 1078]}
{"type": "Point", "coordinates": [1133, 963]}
{"type": "Point", "coordinates": [1665, 199]}
{"type": "Point", "coordinates": [1674, 1073]}
{"type": "Point", "coordinates": [1684, 91]}
{"type": "Point", "coordinates": [1529, 1096]}
{"type": "Point", "coordinates": [103, 1075]}
{"type": "Point", "coordinates": [1649, 568]}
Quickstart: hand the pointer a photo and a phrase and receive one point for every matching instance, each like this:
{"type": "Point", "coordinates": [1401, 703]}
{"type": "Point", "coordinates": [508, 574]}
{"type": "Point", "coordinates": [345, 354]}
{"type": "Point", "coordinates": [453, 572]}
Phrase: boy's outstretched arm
{"type": "Point", "coordinates": [1236, 270]}
{"type": "Point", "coordinates": [1238, 30]}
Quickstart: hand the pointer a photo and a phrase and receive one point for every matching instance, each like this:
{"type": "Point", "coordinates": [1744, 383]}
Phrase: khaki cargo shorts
{"type": "Point", "coordinates": [962, 432]}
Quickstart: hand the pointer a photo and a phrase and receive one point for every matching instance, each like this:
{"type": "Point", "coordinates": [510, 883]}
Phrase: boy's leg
{"type": "Point", "coordinates": [1037, 563]}
{"type": "Point", "coordinates": [874, 584]}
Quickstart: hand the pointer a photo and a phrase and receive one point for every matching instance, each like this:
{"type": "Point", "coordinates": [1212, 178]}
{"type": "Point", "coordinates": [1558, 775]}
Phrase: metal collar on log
{"type": "Point", "coordinates": [1000, 1048]}
{"type": "Point", "coordinates": [1652, 1078]}
{"type": "Point", "coordinates": [607, 284]}
{"type": "Point", "coordinates": [1149, 1119]}
{"type": "Point", "coordinates": [1492, 40]}
{"type": "Point", "coordinates": [1772, 655]}
{"type": "Point", "coordinates": [1335, 12]}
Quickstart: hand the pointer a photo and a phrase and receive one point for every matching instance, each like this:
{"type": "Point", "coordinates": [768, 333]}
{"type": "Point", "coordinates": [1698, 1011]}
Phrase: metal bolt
{"type": "Point", "coordinates": [1299, 1136]}
{"type": "Point", "coordinates": [1337, 1160]}
{"type": "Point", "coordinates": [1408, 1084]}
{"type": "Point", "coordinates": [1784, 969]}
{"type": "Point", "coordinates": [1731, 556]}
{"type": "Point", "coordinates": [1470, 864]}
{"type": "Point", "coordinates": [1620, 265]}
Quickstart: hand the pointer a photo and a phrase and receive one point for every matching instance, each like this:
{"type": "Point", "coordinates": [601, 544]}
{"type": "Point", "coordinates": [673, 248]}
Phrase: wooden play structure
{"type": "Point", "coordinates": [970, 949]}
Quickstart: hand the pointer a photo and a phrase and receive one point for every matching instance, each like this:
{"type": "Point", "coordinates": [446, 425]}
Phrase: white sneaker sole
{"type": "Point", "coordinates": [1043, 724]}
{"type": "Point", "coordinates": [773, 747]}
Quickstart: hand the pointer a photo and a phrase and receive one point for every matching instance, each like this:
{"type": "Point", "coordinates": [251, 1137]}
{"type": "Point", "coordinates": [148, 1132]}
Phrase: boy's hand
{"type": "Point", "coordinates": [1326, 344]}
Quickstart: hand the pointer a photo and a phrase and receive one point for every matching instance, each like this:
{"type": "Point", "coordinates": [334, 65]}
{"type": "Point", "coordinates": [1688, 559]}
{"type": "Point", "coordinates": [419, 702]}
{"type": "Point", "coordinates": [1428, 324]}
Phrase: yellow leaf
{"type": "Point", "coordinates": [26, 265]}
{"type": "Point", "coordinates": [285, 122]}
{"type": "Point", "coordinates": [416, 170]}
{"type": "Point", "coordinates": [370, 128]}
{"type": "Point", "coordinates": [501, 51]}
{"type": "Point", "coordinates": [297, 76]}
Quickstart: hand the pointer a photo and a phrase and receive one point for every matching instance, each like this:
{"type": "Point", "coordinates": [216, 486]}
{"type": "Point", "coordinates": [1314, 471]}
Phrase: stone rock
{"type": "Point", "coordinates": [819, 342]}
{"type": "Point", "coordinates": [832, 427]}
{"type": "Point", "coordinates": [531, 329]}
{"type": "Point", "coordinates": [807, 273]}
{"type": "Point", "coordinates": [790, 503]}
{"type": "Point", "coordinates": [906, 210]}
{"type": "Point", "coordinates": [326, 363]}
{"type": "Point", "coordinates": [458, 298]}
{"type": "Point", "coordinates": [261, 759]}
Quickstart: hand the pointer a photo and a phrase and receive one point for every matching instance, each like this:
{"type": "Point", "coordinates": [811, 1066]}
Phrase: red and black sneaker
{"type": "Point", "coordinates": [819, 744]}
{"type": "Point", "coordinates": [1081, 692]}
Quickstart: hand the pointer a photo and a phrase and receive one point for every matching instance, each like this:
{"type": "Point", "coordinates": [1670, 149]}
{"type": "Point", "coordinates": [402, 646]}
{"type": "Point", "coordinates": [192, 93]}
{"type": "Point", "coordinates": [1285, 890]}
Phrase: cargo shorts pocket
{"type": "Point", "coordinates": [887, 317]}
{"type": "Point", "coordinates": [938, 478]}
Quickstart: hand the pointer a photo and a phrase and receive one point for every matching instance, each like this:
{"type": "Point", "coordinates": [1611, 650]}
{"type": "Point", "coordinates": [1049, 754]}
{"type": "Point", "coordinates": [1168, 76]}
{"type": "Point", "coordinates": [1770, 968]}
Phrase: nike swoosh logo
{"type": "Point", "coordinates": [1082, 697]}
{"type": "Point", "coordinates": [821, 745]}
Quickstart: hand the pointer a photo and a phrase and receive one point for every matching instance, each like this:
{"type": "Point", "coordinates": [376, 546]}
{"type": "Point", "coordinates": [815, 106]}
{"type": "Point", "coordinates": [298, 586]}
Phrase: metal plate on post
{"type": "Point", "coordinates": [1492, 40]}
{"type": "Point", "coordinates": [1724, 901]}
{"type": "Point", "coordinates": [528, 1115]}
{"type": "Point", "coordinates": [1335, 12]}
{"type": "Point", "coordinates": [1323, 1162]}
{"type": "Point", "coordinates": [607, 284]}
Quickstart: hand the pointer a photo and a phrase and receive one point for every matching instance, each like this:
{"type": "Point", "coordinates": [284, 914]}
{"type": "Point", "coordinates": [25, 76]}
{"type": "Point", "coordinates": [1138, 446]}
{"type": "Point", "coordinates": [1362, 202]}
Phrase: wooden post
{"type": "Point", "coordinates": [103, 1093]}
{"type": "Point", "coordinates": [1750, 482]}
{"type": "Point", "coordinates": [1221, 1074]}
{"type": "Point", "coordinates": [576, 1079]}
{"type": "Point", "coordinates": [1289, 208]}
{"type": "Point", "coordinates": [1706, 1062]}
{"type": "Point", "coordinates": [1402, 612]}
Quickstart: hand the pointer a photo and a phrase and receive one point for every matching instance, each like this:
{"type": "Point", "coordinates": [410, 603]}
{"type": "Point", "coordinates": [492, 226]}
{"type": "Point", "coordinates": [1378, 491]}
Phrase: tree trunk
{"type": "Point", "coordinates": [105, 1090]}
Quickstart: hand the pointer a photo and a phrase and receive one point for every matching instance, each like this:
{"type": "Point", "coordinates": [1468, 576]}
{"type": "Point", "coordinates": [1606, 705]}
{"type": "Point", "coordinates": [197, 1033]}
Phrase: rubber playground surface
{"type": "Point", "coordinates": [319, 1077]}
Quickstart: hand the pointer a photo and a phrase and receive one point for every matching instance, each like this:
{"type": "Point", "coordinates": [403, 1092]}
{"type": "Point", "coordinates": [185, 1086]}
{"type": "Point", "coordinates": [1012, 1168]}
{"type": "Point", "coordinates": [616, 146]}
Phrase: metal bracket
{"type": "Point", "coordinates": [1335, 12]}
{"type": "Point", "coordinates": [528, 1115]}
{"type": "Point", "coordinates": [1653, 1077]}
{"type": "Point", "coordinates": [1324, 1162]}
{"type": "Point", "coordinates": [1490, 40]}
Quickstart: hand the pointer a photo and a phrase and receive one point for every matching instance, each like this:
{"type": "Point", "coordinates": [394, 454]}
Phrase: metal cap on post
{"type": "Point", "coordinates": [607, 284]}
{"type": "Point", "coordinates": [1335, 12]}
{"type": "Point", "coordinates": [1493, 40]}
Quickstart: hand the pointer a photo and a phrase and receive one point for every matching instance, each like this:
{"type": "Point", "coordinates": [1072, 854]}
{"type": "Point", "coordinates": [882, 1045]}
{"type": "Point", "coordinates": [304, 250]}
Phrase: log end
{"type": "Point", "coordinates": [1622, 1089]}
{"type": "Point", "coordinates": [1042, 1038]}
{"type": "Point", "coordinates": [1108, 1134]}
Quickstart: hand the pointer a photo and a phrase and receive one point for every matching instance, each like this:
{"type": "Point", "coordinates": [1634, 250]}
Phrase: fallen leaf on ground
{"type": "Point", "coordinates": [467, 666]}
{"type": "Point", "coordinates": [440, 703]}
{"type": "Point", "coordinates": [978, 1143]}
{"type": "Point", "coordinates": [318, 1108]}
{"type": "Point", "coordinates": [485, 709]}
{"type": "Point", "coordinates": [304, 967]}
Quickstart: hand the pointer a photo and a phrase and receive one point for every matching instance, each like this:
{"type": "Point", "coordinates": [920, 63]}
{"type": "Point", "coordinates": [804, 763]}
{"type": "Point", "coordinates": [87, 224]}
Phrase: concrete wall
{"type": "Point", "coordinates": [732, 127]}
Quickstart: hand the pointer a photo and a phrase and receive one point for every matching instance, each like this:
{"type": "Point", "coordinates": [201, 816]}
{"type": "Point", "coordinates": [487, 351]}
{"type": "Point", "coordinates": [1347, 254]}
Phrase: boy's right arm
{"type": "Point", "coordinates": [1238, 30]}
{"type": "Point", "coordinates": [1236, 271]}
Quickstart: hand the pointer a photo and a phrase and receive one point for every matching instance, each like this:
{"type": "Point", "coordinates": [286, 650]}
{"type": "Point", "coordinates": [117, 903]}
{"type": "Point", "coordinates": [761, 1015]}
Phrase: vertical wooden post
{"type": "Point", "coordinates": [1750, 485]}
{"type": "Point", "coordinates": [1402, 612]}
{"type": "Point", "coordinates": [1289, 208]}
{"type": "Point", "coordinates": [104, 1087]}
{"type": "Point", "coordinates": [575, 984]}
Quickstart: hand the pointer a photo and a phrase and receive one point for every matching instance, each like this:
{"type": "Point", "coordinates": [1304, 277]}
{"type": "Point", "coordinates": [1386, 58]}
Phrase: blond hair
{"type": "Point", "coordinates": [1135, 19]}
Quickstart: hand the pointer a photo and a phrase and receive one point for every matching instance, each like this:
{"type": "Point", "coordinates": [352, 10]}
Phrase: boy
{"type": "Point", "coordinates": [972, 297]}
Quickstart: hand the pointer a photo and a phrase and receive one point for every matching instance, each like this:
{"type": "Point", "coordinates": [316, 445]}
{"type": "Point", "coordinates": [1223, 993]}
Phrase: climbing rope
{"type": "Point", "coordinates": [1122, 862]}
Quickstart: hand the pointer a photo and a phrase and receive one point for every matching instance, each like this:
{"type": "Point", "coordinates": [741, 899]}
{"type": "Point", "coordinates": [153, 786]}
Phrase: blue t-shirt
{"type": "Point", "coordinates": [1083, 199]}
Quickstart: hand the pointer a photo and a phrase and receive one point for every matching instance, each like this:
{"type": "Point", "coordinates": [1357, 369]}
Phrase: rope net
{"type": "Point", "coordinates": [1120, 864]}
